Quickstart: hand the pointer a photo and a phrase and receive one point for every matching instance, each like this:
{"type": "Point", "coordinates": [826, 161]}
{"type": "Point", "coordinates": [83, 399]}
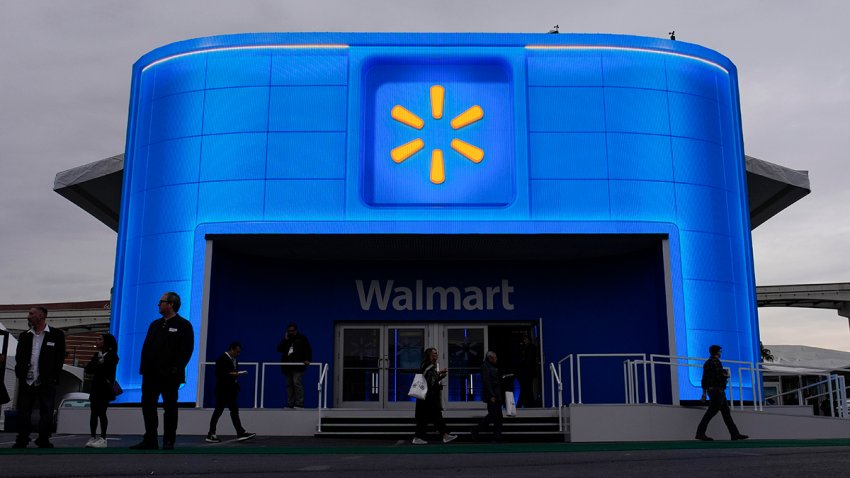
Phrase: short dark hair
{"type": "Point", "coordinates": [233, 345]}
{"type": "Point", "coordinates": [714, 349]}
{"type": "Point", "coordinates": [109, 343]}
{"type": "Point", "coordinates": [173, 298]}
{"type": "Point", "coordinates": [292, 326]}
{"type": "Point", "coordinates": [41, 309]}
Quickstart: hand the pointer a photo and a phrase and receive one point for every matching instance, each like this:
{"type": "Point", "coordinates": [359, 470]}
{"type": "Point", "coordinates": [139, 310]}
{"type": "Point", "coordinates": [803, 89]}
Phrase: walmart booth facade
{"type": "Point", "coordinates": [390, 192]}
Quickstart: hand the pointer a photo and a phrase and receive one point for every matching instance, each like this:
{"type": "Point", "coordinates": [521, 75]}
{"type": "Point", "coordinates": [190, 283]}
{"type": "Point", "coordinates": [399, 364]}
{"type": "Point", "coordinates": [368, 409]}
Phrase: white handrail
{"type": "Point", "coordinates": [265, 364]}
{"type": "Point", "coordinates": [555, 376]}
{"type": "Point", "coordinates": [323, 397]}
{"type": "Point", "coordinates": [580, 356]}
{"type": "Point", "coordinates": [572, 383]}
{"type": "Point", "coordinates": [256, 366]}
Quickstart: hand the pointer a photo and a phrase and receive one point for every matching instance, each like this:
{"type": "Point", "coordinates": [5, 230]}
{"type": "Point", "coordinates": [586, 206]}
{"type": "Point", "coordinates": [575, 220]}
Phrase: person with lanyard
{"type": "Point", "coordinates": [40, 356]}
{"type": "Point", "coordinates": [166, 351]}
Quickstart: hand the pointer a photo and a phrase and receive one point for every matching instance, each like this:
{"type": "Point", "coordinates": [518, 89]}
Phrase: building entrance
{"type": "Point", "coordinates": [375, 363]}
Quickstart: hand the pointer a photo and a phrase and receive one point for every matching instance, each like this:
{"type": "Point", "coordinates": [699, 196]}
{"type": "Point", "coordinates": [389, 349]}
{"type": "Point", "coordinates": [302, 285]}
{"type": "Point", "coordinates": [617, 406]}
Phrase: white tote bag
{"type": "Point", "coordinates": [419, 387]}
{"type": "Point", "coordinates": [510, 404]}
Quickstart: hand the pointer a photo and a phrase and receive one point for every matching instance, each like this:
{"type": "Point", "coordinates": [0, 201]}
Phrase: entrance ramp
{"type": "Point", "coordinates": [650, 422]}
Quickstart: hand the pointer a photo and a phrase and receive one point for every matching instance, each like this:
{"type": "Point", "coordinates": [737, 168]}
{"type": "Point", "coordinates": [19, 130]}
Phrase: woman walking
{"type": "Point", "coordinates": [430, 410]}
{"type": "Point", "coordinates": [102, 368]}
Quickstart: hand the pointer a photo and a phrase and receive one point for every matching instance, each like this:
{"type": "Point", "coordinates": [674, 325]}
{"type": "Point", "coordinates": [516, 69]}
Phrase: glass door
{"type": "Point", "coordinates": [376, 364]}
{"type": "Point", "coordinates": [359, 366]}
{"type": "Point", "coordinates": [465, 347]}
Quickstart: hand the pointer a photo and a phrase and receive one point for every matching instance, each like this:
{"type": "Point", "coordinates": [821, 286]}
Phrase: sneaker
{"type": "Point", "coordinates": [448, 437]}
{"type": "Point", "coordinates": [212, 438]}
{"type": "Point", "coordinates": [298, 407]}
{"type": "Point", "coordinates": [740, 437]}
{"type": "Point", "coordinates": [419, 441]}
{"type": "Point", "coordinates": [245, 436]}
{"type": "Point", "coordinates": [704, 437]}
{"type": "Point", "coordinates": [99, 443]}
{"type": "Point", "coordinates": [44, 444]}
{"type": "Point", "coordinates": [90, 443]}
{"type": "Point", "coordinates": [143, 445]}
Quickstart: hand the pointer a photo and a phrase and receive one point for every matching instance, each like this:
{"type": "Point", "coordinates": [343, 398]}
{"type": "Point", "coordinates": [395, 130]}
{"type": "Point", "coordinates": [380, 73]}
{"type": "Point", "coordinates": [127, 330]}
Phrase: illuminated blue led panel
{"type": "Point", "coordinates": [291, 133]}
{"type": "Point", "coordinates": [306, 155]}
{"type": "Point", "coordinates": [568, 156]}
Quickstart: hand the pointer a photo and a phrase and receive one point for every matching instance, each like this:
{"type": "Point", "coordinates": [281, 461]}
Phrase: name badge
{"type": "Point", "coordinates": [51, 344]}
{"type": "Point", "coordinates": [172, 329]}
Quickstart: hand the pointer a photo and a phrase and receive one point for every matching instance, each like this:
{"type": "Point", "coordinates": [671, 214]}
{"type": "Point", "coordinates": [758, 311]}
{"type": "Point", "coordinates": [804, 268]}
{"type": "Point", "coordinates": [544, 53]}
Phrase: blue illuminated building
{"type": "Point", "coordinates": [596, 200]}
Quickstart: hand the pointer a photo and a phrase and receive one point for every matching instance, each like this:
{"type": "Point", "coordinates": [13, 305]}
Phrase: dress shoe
{"type": "Point", "coordinates": [740, 437]}
{"type": "Point", "coordinates": [168, 445]}
{"type": "Point", "coordinates": [43, 444]}
{"type": "Point", "coordinates": [143, 445]}
{"type": "Point", "coordinates": [704, 438]}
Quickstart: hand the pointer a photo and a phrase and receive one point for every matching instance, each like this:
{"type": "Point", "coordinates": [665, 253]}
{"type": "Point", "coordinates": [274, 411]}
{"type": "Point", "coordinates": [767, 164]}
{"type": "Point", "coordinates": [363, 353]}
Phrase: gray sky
{"type": "Point", "coordinates": [65, 80]}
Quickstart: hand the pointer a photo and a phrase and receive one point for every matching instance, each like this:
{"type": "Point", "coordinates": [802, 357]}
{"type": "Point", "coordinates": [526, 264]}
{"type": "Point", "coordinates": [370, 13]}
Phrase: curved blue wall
{"type": "Point", "coordinates": [290, 133]}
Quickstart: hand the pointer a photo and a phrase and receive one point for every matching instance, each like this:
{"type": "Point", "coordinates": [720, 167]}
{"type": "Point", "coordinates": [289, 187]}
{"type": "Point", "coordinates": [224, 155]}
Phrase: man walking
{"type": "Point", "coordinates": [227, 393]}
{"type": "Point", "coordinates": [167, 349]}
{"type": "Point", "coordinates": [40, 355]}
{"type": "Point", "coordinates": [714, 378]}
{"type": "Point", "coordinates": [491, 394]}
{"type": "Point", "coordinates": [294, 348]}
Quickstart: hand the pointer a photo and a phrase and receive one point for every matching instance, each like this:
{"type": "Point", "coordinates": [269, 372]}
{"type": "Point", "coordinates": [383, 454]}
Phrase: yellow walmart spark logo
{"type": "Point", "coordinates": [438, 168]}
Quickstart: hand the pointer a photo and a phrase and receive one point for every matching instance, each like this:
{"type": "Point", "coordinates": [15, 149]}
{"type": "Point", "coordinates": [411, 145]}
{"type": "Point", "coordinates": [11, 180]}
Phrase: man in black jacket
{"type": "Point", "coordinates": [491, 394]}
{"type": "Point", "coordinates": [714, 378]}
{"type": "Point", "coordinates": [40, 355]}
{"type": "Point", "coordinates": [167, 349]}
{"type": "Point", "coordinates": [294, 348]}
{"type": "Point", "coordinates": [227, 393]}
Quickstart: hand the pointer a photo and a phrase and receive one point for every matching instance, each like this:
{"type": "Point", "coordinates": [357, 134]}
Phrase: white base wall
{"type": "Point", "coordinates": [624, 423]}
{"type": "Point", "coordinates": [196, 421]}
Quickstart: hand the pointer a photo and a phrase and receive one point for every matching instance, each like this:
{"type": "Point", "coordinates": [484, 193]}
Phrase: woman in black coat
{"type": "Point", "coordinates": [430, 410]}
{"type": "Point", "coordinates": [102, 368]}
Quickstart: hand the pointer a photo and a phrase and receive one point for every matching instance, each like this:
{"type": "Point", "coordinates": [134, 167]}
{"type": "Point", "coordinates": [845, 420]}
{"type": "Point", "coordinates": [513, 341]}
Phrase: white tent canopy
{"type": "Point", "coordinates": [804, 360]}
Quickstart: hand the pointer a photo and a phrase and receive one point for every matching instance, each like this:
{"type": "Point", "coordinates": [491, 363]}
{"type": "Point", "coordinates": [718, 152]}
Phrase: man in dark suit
{"type": "Point", "coordinates": [40, 355]}
{"type": "Point", "coordinates": [227, 393]}
{"type": "Point", "coordinates": [167, 349]}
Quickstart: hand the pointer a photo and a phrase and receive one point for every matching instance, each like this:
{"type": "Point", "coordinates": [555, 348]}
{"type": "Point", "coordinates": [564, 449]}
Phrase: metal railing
{"type": "Point", "coordinates": [555, 376]}
{"type": "Point", "coordinates": [581, 356]}
{"type": "Point", "coordinates": [321, 385]}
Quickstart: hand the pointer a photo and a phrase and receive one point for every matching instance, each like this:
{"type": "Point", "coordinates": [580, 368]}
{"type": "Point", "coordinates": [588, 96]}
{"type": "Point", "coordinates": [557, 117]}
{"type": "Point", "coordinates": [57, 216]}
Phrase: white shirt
{"type": "Point", "coordinates": [37, 340]}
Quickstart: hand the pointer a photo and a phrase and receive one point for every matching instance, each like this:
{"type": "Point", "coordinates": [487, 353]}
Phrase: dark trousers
{"type": "Point", "coordinates": [294, 388]}
{"type": "Point", "coordinates": [426, 414]}
{"type": "Point", "coordinates": [152, 388]}
{"type": "Point", "coordinates": [28, 396]}
{"type": "Point", "coordinates": [99, 404]}
{"type": "Point", "coordinates": [717, 403]}
{"type": "Point", "coordinates": [226, 399]}
{"type": "Point", "coordinates": [494, 416]}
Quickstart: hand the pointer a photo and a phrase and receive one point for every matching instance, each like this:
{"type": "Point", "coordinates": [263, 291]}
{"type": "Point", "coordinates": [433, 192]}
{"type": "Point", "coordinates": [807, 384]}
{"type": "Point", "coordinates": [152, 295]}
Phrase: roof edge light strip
{"type": "Point", "coordinates": [625, 48]}
{"type": "Point", "coordinates": [250, 47]}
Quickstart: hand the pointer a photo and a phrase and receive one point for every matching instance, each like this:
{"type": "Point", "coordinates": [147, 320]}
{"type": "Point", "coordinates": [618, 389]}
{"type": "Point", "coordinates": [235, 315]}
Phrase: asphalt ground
{"type": "Point", "coordinates": [377, 458]}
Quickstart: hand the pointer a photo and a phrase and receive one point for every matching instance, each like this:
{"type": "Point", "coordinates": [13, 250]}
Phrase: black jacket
{"type": "Point", "coordinates": [713, 375]}
{"type": "Point", "coordinates": [103, 375]}
{"type": "Point", "coordinates": [491, 383]}
{"type": "Point", "coordinates": [301, 351]}
{"type": "Point", "coordinates": [49, 361]}
{"type": "Point", "coordinates": [225, 383]}
{"type": "Point", "coordinates": [167, 349]}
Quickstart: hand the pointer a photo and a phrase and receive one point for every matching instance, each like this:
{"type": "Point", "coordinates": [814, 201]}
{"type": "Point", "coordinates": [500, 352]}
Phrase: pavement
{"type": "Point", "coordinates": [358, 457]}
